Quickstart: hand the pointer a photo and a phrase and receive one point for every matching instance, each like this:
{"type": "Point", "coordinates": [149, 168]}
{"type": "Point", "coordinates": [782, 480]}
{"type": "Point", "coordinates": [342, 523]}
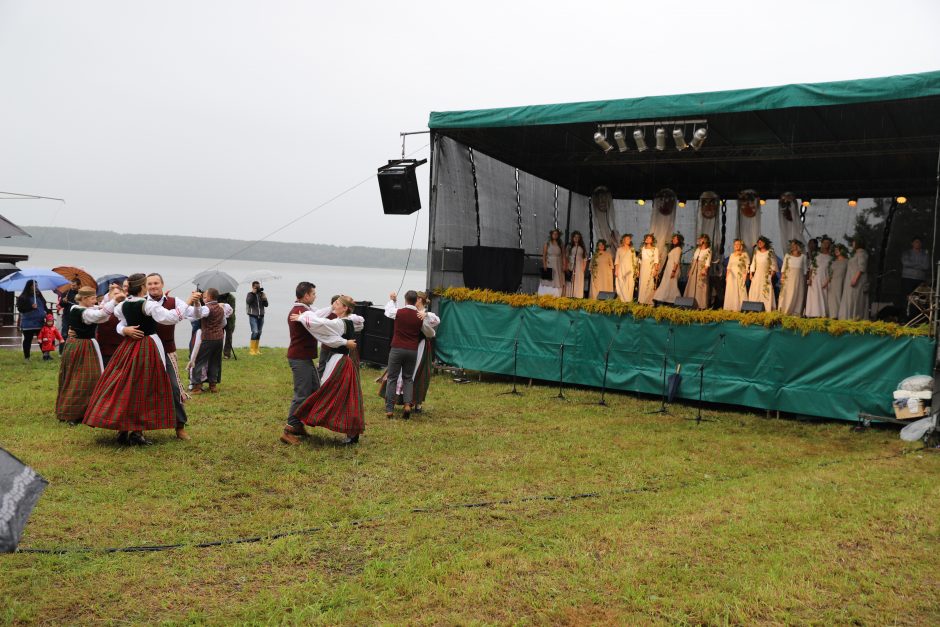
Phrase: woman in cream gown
{"type": "Point", "coordinates": [625, 268]}
{"type": "Point", "coordinates": [697, 286]}
{"type": "Point", "coordinates": [736, 277]}
{"type": "Point", "coordinates": [817, 281]}
{"type": "Point", "coordinates": [763, 267]}
{"type": "Point", "coordinates": [793, 280]}
{"type": "Point", "coordinates": [602, 270]}
{"type": "Point", "coordinates": [577, 264]}
{"type": "Point", "coordinates": [836, 278]}
{"type": "Point", "coordinates": [553, 257]}
{"type": "Point", "coordinates": [649, 267]}
{"type": "Point", "coordinates": [668, 289]}
{"type": "Point", "coordinates": [854, 304]}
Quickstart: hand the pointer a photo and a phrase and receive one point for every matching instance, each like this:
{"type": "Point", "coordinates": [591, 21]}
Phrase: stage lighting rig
{"type": "Point", "coordinates": [601, 140]}
{"type": "Point", "coordinates": [679, 138]}
{"type": "Point", "coordinates": [621, 140]}
{"type": "Point", "coordinates": [640, 140]}
{"type": "Point", "coordinates": [660, 139]}
{"type": "Point", "coordinates": [698, 138]}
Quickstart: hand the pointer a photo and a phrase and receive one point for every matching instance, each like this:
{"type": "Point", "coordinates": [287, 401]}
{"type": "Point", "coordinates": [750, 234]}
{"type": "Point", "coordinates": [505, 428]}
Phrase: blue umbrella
{"type": "Point", "coordinates": [104, 282]}
{"type": "Point", "coordinates": [45, 280]}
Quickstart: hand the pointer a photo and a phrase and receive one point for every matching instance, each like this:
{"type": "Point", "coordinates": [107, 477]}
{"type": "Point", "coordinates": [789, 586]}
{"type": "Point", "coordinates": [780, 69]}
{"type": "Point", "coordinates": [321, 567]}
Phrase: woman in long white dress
{"type": "Point", "coordinates": [625, 268]}
{"type": "Point", "coordinates": [763, 267]}
{"type": "Point", "coordinates": [697, 286]}
{"type": "Point", "coordinates": [817, 281]}
{"type": "Point", "coordinates": [854, 304]}
{"type": "Point", "coordinates": [736, 277]}
{"type": "Point", "coordinates": [576, 259]}
{"type": "Point", "coordinates": [668, 289]}
{"type": "Point", "coordinates": [793, 280]}
{"type": "Point", "coordinates": [649, 267]}
{"type": "Point", "coordinates": [553, 258]}
{"type": "Point", "coordinates": [840, 263]}
{"type": "Point", "coordinates": [602, 270]}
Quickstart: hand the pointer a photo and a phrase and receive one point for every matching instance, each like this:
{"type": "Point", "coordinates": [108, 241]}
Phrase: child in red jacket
{"type": "Point", "coordinates": [47, 338]}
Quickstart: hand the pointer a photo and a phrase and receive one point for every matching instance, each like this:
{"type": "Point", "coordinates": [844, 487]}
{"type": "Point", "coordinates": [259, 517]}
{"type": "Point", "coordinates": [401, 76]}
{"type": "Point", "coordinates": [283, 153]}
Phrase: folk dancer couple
{"type": "Point", "coordinates": [205, 360]}
{"type": "Point", "coordinates": [331, 398]}
{"type": "Point", "coordinates": [139, 389]}
{"type": "Point", "coordinates": [412, 350]}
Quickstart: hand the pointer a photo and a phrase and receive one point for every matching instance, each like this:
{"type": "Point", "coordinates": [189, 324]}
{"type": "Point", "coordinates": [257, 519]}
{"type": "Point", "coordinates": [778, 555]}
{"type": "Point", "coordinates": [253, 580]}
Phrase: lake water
{"type": "Point", "coordinates": [372, 284]}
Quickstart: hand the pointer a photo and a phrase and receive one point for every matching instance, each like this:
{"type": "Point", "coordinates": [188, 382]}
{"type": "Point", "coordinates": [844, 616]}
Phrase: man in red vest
{"type": "Point", "coordinates": [301, 353]}
{"type": "Point", "coordinates": [209, 360]}
{"type": "Point", "coordinates": [403, 355]}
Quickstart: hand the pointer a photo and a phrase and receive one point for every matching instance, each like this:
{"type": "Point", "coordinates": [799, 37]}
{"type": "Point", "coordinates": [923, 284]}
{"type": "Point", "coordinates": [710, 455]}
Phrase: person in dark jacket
{"type": "Point", "coordinates": [32, 307]}
{"type": "Point", "coordinates": [228, 299]}
{"type": "Point", "coordinates": [255, 303]}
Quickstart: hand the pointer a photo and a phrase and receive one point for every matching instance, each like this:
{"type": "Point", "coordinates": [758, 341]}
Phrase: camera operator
{"type": "Point", "coordinates": [255, 303]}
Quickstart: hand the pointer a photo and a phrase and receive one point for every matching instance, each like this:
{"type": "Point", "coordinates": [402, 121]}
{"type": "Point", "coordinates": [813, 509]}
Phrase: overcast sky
{"type": "Point", "coordinates": [230, 118]}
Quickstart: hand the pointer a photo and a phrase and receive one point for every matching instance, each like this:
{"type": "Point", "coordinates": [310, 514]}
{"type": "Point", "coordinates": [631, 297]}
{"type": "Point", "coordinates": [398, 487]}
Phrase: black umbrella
{"type": "Point", "coordinates": [104, 282]}
{"type": "Point", "coordinates": [675, 380]}
{"type": "Point", "coordinates": [20, 488]}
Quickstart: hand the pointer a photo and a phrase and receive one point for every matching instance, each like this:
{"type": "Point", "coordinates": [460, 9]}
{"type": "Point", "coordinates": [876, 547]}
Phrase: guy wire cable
{"type": "Point", "coordinates": [410, 249]}
{"type": "Point", "coordinates": [363, 522]}
{"type": "Point", "coordinates": [292, 222]}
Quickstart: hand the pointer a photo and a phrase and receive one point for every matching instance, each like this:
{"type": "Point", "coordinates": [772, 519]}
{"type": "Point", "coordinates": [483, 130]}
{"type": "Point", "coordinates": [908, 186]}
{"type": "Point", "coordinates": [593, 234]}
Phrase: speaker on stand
{"type": "Point", "coordinates": [377, 334]}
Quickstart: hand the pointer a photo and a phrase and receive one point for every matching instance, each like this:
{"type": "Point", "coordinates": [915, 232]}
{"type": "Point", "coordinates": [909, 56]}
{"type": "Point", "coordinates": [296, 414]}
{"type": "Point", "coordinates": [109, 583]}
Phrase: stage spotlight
{"type": "Point", "coordinates": [698, 138]}
{"type": "Point", "coordinates": [640, 140]}
{"type": "Point", "coordinates": [641, 202]}
{"type": "Point", "coordinates": [762, 202]}
{"type": "Point", "coordinates": [806, 202]}
{"type": "Point", "coordinates": [660, 138]}
{"type": "Point", "coordinates": [853, 202]}
{"type": "Point", "coordinates": [601, 141]}
{"type": "Point", "coordinates": [901, 200]}
{"type": "Point", "coordinates": [621, 140]}
{"type": "Point", "coordinates": [680, 139]}
{"type": "Point", "coordinates": [682, 203]}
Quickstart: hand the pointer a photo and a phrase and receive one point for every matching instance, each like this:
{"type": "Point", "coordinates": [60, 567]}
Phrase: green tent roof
{"type": "Point", "coordinates": [691, 105]}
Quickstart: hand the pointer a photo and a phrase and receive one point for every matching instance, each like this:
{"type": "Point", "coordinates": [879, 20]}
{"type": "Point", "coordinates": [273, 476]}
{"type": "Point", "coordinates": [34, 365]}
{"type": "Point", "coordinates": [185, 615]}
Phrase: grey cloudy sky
{"type": "Point", "coordinates": [229, 118]}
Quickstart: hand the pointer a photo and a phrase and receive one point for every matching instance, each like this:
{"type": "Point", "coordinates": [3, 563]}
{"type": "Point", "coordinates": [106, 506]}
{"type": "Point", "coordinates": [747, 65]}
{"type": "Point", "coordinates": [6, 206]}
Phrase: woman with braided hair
{"type": "Point", "coordinates": [337, 403]}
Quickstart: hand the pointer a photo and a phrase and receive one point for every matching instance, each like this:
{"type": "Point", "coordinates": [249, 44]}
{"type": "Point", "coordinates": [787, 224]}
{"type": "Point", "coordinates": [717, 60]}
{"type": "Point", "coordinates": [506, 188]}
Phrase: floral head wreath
{"type": "Point", "coordinates": [598, 244]}
{"type": "Point", "coordinates": [651, 236]}
{"type": "Point", "coordinates": [679, 235]}
{"type": "Point", "coordinates": [766, 240]}
{"type": "Point", "coordinates": [798, 243]}
{"type": "Point", "coordinates": [706, 237]}
{"type": "Point", "coordinates": [842, 248]}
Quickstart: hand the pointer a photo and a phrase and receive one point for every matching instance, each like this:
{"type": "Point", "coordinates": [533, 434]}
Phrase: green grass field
{"type": "Point", "coordinates": [591, 514]}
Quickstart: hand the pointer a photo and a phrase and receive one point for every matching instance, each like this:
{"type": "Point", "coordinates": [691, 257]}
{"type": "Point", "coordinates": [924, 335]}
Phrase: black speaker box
{"type": "Point", "coordinates": [377, 324]}
{"type": "Point", "coordinates": [493, 268]}
{"type": "Point", "coordinates": [752, 306]}
{"type": "Point", "coordinates": [606, 295]}
{"type": "Point", "coordinates": [399, 187]}
{"type": "Point", "coordinates": [375, 349]}
{"type": "Point", "coordinates": [684, 302]}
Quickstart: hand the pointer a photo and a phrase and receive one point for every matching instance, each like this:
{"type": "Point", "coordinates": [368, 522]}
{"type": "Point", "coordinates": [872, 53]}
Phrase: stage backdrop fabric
{"type": "Point", "coordinates": [815, 375]}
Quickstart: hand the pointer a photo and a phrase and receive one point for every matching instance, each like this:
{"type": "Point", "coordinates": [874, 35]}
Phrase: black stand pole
{"type": "Point", "coordinates": [561, 364]}
{"type": "Point", "coordinates": [515, 362]}
{"type": "Point", "coordinates": [701, 380]}
{"type": "Point", "coordinates": [606, 362]}
{"type": "Point", "coordinates": [669, 339]}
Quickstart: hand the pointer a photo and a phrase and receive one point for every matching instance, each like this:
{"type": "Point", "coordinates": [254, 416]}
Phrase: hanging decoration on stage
{"type": "Point", "coordinates": [749, 217]}
{"type": "Point", "coordinates": [787, 214]}
{"type": "Point", "coordinates": [709, 203]}
{"type": "Point", "coordinates": [663, 218]}
{"type": "Point", "coordinates": [602, 210]}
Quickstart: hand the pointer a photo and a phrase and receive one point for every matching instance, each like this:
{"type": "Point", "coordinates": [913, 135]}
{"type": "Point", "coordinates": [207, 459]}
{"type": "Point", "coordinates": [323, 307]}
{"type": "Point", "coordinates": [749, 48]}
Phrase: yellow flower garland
{"type": "Point", "coordinates": [768, 319]}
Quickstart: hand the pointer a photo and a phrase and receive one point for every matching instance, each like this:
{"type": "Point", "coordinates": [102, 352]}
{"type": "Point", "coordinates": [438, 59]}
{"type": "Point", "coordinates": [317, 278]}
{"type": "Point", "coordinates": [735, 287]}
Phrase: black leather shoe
{"type": "Point", "coordinates": [353, 440]}
{"type": "Point", "coordinates": [138, 439]}
{"type": "Point", "coordinates": [122, 437]}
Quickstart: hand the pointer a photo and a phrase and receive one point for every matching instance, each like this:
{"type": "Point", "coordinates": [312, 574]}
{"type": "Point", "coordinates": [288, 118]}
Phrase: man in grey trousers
{"type": "Point", "coordinates": [403, 356]}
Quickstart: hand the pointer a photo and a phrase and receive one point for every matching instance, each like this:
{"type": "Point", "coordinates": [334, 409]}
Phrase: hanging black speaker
{"type": "Point", "coordinates": [399, 186]}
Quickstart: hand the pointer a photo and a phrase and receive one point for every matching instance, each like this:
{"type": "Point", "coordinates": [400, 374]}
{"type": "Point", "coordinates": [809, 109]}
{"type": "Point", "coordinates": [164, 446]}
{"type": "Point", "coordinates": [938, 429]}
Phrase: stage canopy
{"type": "Point", "coordinates": [505, 177]}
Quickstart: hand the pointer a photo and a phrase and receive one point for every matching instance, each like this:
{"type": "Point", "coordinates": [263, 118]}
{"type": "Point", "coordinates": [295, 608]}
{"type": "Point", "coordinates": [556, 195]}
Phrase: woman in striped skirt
{"type": "Point", "coordinates": [82, 363]}
{"type": "Point", "coordinates": [337, 403]}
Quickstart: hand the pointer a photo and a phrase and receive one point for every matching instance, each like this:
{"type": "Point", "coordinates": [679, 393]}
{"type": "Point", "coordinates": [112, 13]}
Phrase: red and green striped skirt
{"type": "Point", "coordinates": [337, 404]}
{"type": "Point", "coordinates": [79, 372]}
{"type": "Point", "coordinates": [134, 392]}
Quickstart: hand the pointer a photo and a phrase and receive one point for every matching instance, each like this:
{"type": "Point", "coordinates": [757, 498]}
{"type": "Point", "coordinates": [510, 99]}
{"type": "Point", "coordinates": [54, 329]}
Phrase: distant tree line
{"type": "Point", "coordinates": [215, 248]}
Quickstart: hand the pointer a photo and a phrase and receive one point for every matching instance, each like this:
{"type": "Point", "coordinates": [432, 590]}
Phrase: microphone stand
{"type": "Point", "coordinates": [607, 361]}
{"type": "Point", "coordinates": [701, 379]}
{"type": "Point", "coordinates": [561, 366]}
{"type": "Point", "coordinates": [669, 340]}
{"type": "Point", "coordinates": [515, 361]}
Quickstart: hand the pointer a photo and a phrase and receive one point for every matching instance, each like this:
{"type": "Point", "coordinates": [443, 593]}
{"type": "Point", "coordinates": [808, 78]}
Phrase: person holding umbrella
{"type": "Point", "coordinates": [208, 365]}
{"type": "Point", "coordinates": [32, 307]}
